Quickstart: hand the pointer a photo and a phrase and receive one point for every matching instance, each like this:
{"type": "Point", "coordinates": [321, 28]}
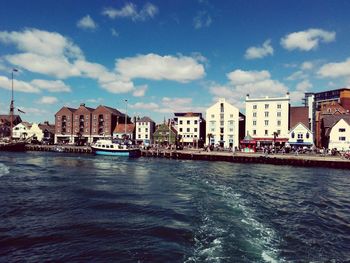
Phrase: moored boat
{"type": "Point", "coordinates": [14, 146]}
{"type": "Point", "coordinates": [114, 148]}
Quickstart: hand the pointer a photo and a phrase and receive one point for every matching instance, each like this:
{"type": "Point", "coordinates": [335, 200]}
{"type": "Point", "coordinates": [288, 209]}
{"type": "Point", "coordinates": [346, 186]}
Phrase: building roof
{"type": "Point", "coordinates": [46, 126]}
{"type": "Point", "coordinates": [188, 114]}
{"type": "Point", "coordinates": [329, 121]}
{"type": "Point", "coordinates": [120, 128]}
{"type": "Point", "coordinates": [7, 119]}
{"type": "Point", "coordinates": [145, 119]}
{"type": "Point", "coordinates": [299, 114]}
{"type": "Point", "coordinates": [112, 110]}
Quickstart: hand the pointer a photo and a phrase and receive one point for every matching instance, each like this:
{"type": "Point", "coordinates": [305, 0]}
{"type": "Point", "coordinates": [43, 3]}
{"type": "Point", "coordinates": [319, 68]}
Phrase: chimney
{"type": "Point", "coordinates": [82, 104]}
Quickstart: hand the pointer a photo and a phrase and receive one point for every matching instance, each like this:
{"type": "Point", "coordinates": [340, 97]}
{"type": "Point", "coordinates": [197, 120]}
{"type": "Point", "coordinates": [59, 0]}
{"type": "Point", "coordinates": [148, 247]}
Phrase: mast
{"type": "Point", "coordinates": [126, 115]}
{"type": "Point", "coordinates": [11, 105]}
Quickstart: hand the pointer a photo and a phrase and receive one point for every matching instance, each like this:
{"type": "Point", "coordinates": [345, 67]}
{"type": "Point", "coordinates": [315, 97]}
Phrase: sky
{"type": "Point", "coordinates": [168, 56]}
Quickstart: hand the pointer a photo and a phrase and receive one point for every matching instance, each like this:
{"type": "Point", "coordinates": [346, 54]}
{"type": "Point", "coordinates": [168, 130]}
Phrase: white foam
{"type": "Point", "coordinates": [4, 169]}
{"type": "Point", "coordinates": [267, 258]}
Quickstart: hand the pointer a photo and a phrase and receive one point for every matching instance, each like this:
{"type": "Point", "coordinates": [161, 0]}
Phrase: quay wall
{"type": "Point", "coordinates": [300, 160]}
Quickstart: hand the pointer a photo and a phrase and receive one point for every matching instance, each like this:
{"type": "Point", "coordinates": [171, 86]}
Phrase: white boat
{"type": "Point", "coordinates": [114, 148]}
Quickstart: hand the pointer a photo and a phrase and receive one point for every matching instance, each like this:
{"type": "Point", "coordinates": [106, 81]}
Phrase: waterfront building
{"type": "Point", "coordinates": [300, 133]}
{"type": "Point", "coordinates": [21, 130]}
{"type": "Point", "coordinates": [82, 124]}
{"type": "Point", "coordinates": [267, 119]}
{"type": "Point", "coordinates": [335, 132]}
{"type": "Point", "coordinates": [316, 100]}
{"type": "Point", "coordinates": [222, 124]}
{"type": "Point", "coordinates": [48, 131]}
{"type": "Point", "coordinates": [145, 127]}
{"type": "Point", "coordinates": [64, 125]}
{"type": "Point", "coordinates": [165, 134]}
{"type": "Point", "coordinates": [124, 132]}
{"type": "Point", "coordinates": [191, 128]}
{"type": "Point", "coordinates": [104, 122]}
{"type": "Point", "coordinates": [5, 124]}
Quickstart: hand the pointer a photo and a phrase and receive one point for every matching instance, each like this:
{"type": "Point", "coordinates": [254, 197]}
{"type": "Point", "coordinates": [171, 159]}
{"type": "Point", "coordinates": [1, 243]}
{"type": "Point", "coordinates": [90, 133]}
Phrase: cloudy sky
{"type": "Point", "coordinates": [168, 56]}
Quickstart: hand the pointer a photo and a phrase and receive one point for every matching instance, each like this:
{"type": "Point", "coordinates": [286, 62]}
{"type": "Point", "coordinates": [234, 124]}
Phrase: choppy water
{"type": "Point", "coordinates": [70, 208]}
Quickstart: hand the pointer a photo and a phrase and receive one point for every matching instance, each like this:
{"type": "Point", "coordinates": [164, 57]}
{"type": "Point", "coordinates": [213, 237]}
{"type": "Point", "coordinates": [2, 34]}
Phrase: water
{"type": "Point", "coordinates": [71, 208]}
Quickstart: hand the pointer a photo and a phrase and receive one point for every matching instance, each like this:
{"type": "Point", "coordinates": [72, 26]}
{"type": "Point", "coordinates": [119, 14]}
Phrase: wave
{"type": "Point", "coordinates": [4, 169]}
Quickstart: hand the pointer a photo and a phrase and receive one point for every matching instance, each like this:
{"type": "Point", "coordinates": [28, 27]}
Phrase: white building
{"type": "Point", "coordinates": [190, 126]}
{"type": "Point", "coordinates": [222, 124]}
{"type": "Point", "coordinates": [266, 117]}
{"type": "Point", "coordinates": [300, 135]}
{"type": "Point", "coordinates": [339, 135]}
{"type": "Point", "coordinates": [21, 130]}
{"type": "Point", "coordinates": [145, 127]}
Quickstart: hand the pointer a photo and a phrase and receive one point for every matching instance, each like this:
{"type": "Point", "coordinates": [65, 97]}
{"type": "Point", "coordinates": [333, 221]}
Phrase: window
{"type": "Point", "coordinates": [221, 123]}
{"type": "Point", "coordinates": [307, 135]}
{"type": "Point", "coordinates": [212, 130]}
{"type": "Point", "coordinates": [76, 117]}
{"type": "Point", "coordinates": [266, 132]}
{"type": "Point", "coordinates": [254, 132]}
{"type": "Point", "coordinates": [95, 116]}
{"type": "Point", "coordinates": [279, 132]}
{"type": "Point", "coordinates": [266, 114]}
{"type": "Point", "coordinates": [188, 129]}
{"type": "Point", "coordinates": [341, 129]}
{"type": "Point", "coordinates": [231, 130]}
{"type": "Point", "coordinates": [279, 114]}
{"type": "Point", "coordinates": [300, 136]}
{"type": "Point", "coordinates": [278, 123]}
{"type": "Point", "coordinates": [266, 106]}
{"type": "Point", "coordinates": [180, 122]}
{"type": "Point", "coordinates": [188, 122]}
{"type": "Point", "coordinates": [146, 129]}
{"type": "Point", "coordinates": [180, 129]}
{"type": "Point", "coordinates": [255, 107]}
{"type": "Point", "coordinates": [87, 117]}
{"type": "Point", "coordinates": [139, 136]}
{"type": "Point", "coordinates": [293, 135]}
{"type": "Point", "coordinates": [254, 114]}
{"type": "Point", "coordinates": [221, 107]}
{"type": "Point", "coordinates": [342, 138]}
{"type": "Point", "coordinates": [195, 129]}
{"type": "Point", "coordinates": [254, 123]}
{"type": "Point", "coordinates": [279, 106]}
{"type": "Point", "coordinates": [266, 122]}
{"type": "Point", "coordinates": [212, 116]}
{"type": "Point", "coordinates": [146, 136]}
{"type": "Point", "coordinates": [139, 129]}
{"type": "Point", "coordinates": [221, 130]}
{"type": "Point", "coordinates": [231, 115]}
{"type": "Point", "coordinates": [195, 122]}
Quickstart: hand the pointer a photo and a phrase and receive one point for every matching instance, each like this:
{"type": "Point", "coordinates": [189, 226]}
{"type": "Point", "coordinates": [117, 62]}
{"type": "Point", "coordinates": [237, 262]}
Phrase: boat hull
{"type": "Point", "coordinates": [13, 147]}
{"type": "Point", "coordinates": [128, 152]}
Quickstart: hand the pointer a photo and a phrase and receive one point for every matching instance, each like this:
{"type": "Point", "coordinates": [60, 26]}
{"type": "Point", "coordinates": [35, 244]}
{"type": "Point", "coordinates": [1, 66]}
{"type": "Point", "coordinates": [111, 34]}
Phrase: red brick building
{"type": "Point", "coordinates": [64, 125]}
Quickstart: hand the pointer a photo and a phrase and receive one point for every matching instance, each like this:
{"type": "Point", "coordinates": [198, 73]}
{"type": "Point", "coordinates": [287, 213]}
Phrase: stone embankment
{"type": "Point", "coordinates": [238, 157]}
{"type": "Point", "coordinates": [57, 148]}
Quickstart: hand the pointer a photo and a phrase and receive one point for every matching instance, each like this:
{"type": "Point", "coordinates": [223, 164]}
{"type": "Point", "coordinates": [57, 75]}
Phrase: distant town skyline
{"type": "Point", "coordinates": [168, 56]}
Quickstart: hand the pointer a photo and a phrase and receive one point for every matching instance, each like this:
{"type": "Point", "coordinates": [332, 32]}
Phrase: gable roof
{"type": "Point", "coordinates": [111, 110]}
{"type": "Point", "coordinates": [120, 128]}
{"type": "Point", "coordinates": [145, 119]}
{"type": "Point", "coordinates": [299, 123]}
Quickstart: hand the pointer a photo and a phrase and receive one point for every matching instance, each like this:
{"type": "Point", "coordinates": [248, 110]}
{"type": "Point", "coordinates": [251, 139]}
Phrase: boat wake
{"type": "Point", "coordinates": [229, 227]}
{"type": "Point", "coordinates": [4, 169]}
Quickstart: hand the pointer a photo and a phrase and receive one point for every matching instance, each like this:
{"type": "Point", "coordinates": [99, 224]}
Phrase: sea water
{"type": "Point", "coordinates": [85, 208]}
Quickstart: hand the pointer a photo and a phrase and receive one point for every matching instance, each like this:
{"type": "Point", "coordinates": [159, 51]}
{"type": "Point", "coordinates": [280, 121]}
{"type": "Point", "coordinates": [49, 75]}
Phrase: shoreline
{"type": "Point", "coordinates": [305, 160]}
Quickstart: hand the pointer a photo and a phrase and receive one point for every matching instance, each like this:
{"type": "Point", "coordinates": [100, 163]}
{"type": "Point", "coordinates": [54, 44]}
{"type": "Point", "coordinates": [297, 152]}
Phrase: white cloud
{"type": "Point", "coordinates": [58, 67]}
{"type": "Point", "coordinates": [156, 67]}
{"type": "Point", "coordinates": [114, 32]}
{"type": "Point", "coordinates": [202, 19]}
{"type": "Point", "coordinates": [239, 77]}
{"type": "Point", "coordinates": [259, 52]}
{"type": "Point", "coordinates": [298, 94]}
{"type": "Point", "coordinates": [51, 85]}
{"type": "Point", "coordinates": [297, 75]}
{"type": "Point", "coordinates": [87, 23]}
{"type": "Point", "coordinates": [145, 106]}
{"type": "Point", "coordinates": [335, 70]}
{"type": "Point", "coordinates": [307, 40]}
{"type": "Point", "coordinates": [118, 86]}
{"type": "Point", "coordinates": [42, 43]}
{"type": "Point", "coordinates": [255, 83]}
{"type": "Point", "coordinates": [18, 85]}
{"type": "Point", "coordinates": [131, 11]}
{"type": "Point", "coordinates": [307, 65]}
{"type": "Point", "coordinates": [48, 100]}
{"type": "Point", "coordinates": [140, 91]}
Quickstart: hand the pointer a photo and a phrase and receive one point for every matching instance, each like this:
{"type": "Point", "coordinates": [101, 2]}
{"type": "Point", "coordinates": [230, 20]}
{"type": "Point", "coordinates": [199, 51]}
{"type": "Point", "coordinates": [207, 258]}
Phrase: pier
{"type": "Point", "coordinates": [58, 148]}
{"type": "Point", "coordinates": [238, 157]}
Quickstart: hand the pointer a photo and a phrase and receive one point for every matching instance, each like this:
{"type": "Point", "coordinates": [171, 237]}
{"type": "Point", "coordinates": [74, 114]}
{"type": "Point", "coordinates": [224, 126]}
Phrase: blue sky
{"type": "Point", "coordinates": [168, 56]}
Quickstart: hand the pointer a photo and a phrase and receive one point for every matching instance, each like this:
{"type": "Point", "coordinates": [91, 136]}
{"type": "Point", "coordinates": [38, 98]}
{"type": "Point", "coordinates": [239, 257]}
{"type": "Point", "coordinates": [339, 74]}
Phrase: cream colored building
{"type": "Point", "coordinates": [145, 127]}
{"type": "Point", "coordinates": [222, 124]}
{"type": "Point", "coordinates": [21, 130]}
{"type": "Point", "coordinates": [267, 116]}
{"type": "Point", "coordinates": [300, 135]}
